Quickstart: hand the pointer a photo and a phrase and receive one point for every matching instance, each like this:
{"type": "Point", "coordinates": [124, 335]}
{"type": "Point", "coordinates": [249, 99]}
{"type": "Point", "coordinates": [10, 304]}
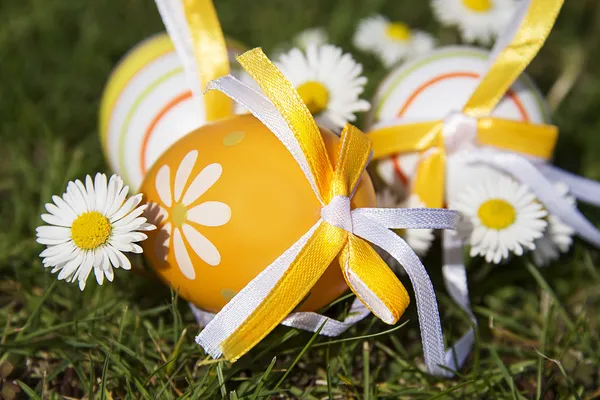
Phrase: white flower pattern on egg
{"type": "Point", "coordinates": [178, 209]}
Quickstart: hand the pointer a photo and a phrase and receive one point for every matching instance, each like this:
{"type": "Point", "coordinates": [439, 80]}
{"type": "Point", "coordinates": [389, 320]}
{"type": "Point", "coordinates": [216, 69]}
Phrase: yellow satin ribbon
{"type": "Point", "coordinates": [210, 51]}
{"type": "Point", "coordinates": [535, 140]}
{"type": "Point", "coordinates": [328, 242]}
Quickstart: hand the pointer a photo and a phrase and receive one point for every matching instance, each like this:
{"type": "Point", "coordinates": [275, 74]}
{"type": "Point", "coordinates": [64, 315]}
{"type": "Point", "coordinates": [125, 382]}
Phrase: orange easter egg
{"type": "Point", "coordinates": [229, 199]}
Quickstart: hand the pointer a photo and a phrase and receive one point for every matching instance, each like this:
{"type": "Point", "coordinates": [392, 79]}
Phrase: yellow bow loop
{"type": "Point", "coordinates": [210, 51]}
{"type": "Point", "coordinates": [286, 99]}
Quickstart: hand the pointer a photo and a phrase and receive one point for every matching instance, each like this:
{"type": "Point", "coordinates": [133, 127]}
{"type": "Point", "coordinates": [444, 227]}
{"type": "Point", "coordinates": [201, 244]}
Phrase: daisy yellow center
{"type": "Point", "coordinates": [90, 230]}
{"type": "Point", "coordinates": [497, 214]}
{"type": "Point", "coordinates": [478, 5]}
{"type": "Point", "coordinates": [398, 31]}
{"type": "Point", "coordinates": [315, 95]}
{"type": "Point", "coordinates": [179, 215]}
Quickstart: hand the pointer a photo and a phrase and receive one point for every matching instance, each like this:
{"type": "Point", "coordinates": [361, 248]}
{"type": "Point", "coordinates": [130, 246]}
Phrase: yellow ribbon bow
{"type": "Point", "coordinates": [328, 242]}
{"type": "Point", "coordinates": [535, 140]}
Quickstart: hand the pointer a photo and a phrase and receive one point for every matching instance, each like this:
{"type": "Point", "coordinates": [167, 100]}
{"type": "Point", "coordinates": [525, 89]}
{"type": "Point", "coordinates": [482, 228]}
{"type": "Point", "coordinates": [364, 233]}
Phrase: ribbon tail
{"type": "Point", "coordinates": [586, 190]}
{"type": "Point", "coordinates": [427, 309]}
{"type": "Point", "coordinates": [307, 321]}
{"type": "Point", "coordinates": [525, 172]}
{"type": "Point", "coordinates": [455, 280]}
{"type": "Point", "coordinates": [312, 322]}
{"type": "Point", "coordinates": [410, 218]}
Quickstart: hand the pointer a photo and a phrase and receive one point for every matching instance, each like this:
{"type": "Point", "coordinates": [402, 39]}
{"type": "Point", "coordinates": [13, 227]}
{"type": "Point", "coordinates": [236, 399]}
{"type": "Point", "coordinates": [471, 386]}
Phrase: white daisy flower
{"type": "Point", "coordinates": [329, 81]}
{"type": "Point", "coordinates": [180, 214]}
{"type": "Point", "coordinates": [505, 217]}
{"type": "Point", "coordinates": [477, 20]}
{"type": "Point", "coordinates": [558, 236]}
{"type": "Point", "coordinates": [419, 240]}
{"type": "Point", "coordinates": [311, 37]}
{"type": "Point", "coordinates": [90, 227]}
{"type": "Point", "coordinates": [390, 41]}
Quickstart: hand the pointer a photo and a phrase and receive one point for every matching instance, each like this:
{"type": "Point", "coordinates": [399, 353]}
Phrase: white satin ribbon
{"type": "Point", "coordinates": [455, 280]}
{"type": "Point", "coordinates": [307, 321]}
{"type": "Point", "coordinates": [367, 223]}
{"type": "Point", "coordinates": [583, 189]}
{"type": "Point", "coordinates": [173, 17]}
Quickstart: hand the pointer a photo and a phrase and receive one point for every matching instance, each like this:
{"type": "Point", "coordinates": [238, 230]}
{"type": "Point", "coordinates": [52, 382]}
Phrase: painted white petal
{"type": "Point", "coordinates": [202, 182]}
{"type": "Point", "coordinates": [202, 246]}
{"type": "Point", "coordinates": [183, 173]}
{"type": "Point", "coordinates": [182, 256]}
{"type": "Point", "coordinates": [163, 185]}
{"type": "Point", "coordinates": [210, 213]}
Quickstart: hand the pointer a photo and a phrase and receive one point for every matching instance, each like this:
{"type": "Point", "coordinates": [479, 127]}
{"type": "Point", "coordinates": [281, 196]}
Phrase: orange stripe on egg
{"type": "Point", "coordinates": [174, 102]}
{"type": "Point", "coordinates": [510, 93]}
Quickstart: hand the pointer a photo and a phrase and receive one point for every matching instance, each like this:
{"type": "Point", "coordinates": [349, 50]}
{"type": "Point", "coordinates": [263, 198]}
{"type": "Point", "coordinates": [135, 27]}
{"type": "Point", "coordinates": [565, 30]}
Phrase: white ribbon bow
{"type": "Point", "coordinates": [371, 224]}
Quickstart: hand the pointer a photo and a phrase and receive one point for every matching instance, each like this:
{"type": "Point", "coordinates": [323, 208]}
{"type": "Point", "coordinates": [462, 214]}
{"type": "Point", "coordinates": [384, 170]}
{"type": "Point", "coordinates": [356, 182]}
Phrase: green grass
{"type": "Point", "coordinates": [538, 329]}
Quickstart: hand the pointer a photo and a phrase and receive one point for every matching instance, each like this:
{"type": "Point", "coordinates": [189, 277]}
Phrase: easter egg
{"type": "Point", "coordinates": [229, 199]}
{"type": "Point", "coordinates": [146, 106]}
{"type": "Point", "coordinates": [429, 88]}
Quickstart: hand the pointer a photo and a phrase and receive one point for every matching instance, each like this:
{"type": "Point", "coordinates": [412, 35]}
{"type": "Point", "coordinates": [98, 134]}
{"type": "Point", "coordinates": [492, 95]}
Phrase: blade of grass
{"type": "Point", "coordinates": [299, 356]}
{"type": "Point", "coordinates": [263, 379]}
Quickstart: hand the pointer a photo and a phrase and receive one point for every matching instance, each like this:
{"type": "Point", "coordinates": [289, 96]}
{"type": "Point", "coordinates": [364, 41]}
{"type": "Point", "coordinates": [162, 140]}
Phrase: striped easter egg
{"type": "Point", "coordinates": [147, 105]}
{"type": "Point", "coordinates": [429, 88]}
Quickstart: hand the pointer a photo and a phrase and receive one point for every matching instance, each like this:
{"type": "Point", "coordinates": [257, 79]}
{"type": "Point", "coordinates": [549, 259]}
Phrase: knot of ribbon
{"type": "Point", "coordinates": [343, 234]}
{"type": "Point", "coordinates": [460, 132]}
{"type": "Point", "coordinates": [338, 213]}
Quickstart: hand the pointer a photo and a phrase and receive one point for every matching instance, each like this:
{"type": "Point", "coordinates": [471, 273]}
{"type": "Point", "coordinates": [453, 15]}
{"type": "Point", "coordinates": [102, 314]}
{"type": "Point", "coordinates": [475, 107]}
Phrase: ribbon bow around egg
{"type": "Point", "coordinates": [517, 148]}
{"type": "Point", "coordinates": [341, 233]}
